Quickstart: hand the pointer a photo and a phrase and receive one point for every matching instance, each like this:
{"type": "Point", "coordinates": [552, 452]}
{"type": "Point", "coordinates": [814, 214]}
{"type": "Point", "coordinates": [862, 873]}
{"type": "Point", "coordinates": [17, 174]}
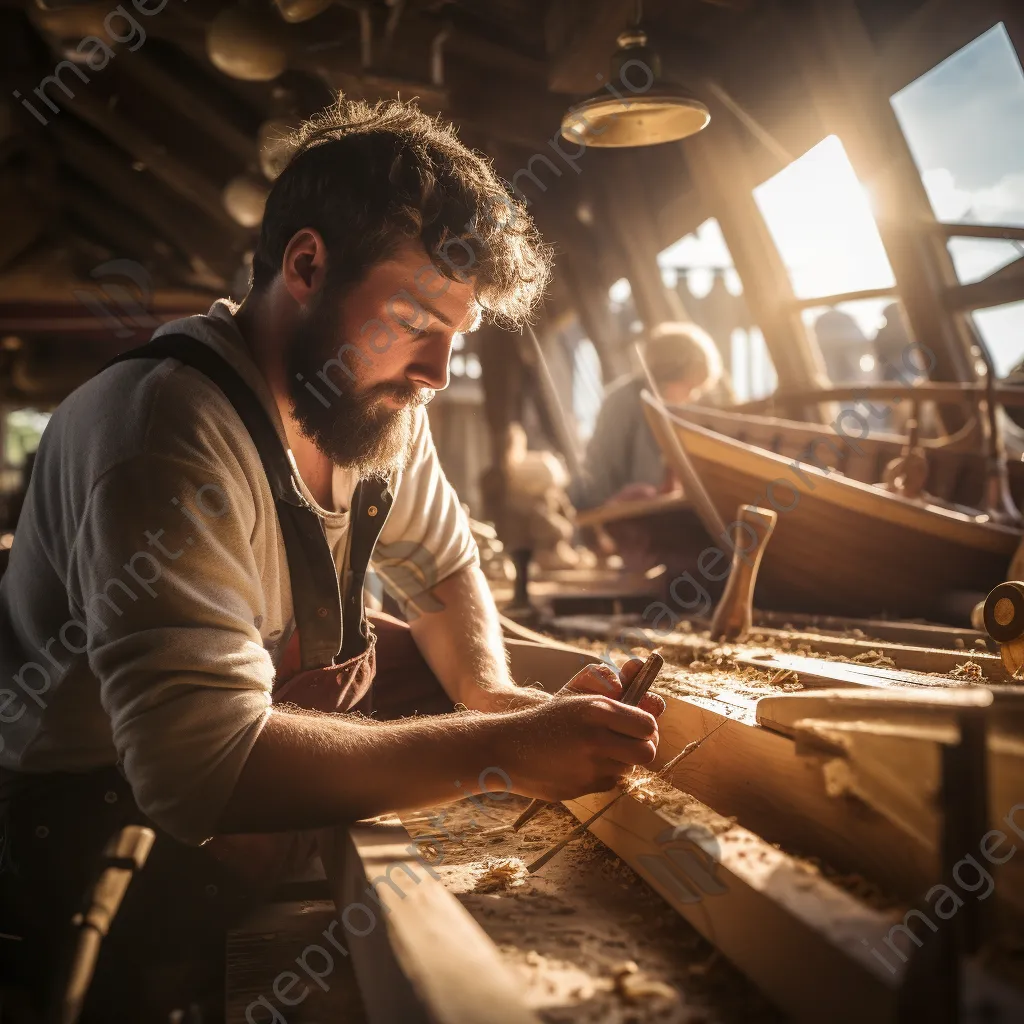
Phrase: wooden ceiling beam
{"type": "Point", "coordinates": [185, 229]}
{"type": "Point", "coordinates": [123, 233]}
{"type": "Point", "coordinates": [1003, 286]}
{"type": "Point", "coordinates": [188, 102]}
{"type": "Point", "coordinates": [176, 173]}
{"type": "Point", "coordinates": [584, 41]}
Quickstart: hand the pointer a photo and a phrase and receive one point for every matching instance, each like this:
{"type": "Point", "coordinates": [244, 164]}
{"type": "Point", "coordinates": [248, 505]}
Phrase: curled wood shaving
{"type": "Point", "coordinates": [968, 670]}
{"type": "Point", "coordinates": [634, 986]}
{"type": "Point", "coordinates": [501, 874]}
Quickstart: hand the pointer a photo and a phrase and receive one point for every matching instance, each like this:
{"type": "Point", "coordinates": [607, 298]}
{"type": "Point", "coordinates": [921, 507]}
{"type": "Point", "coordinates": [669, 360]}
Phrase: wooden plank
{"type": "Point", "coordinates": [912, 633]}
{"type": "Point", "coordinates": [913, 660]}
{"type": "Point", "coordinates": [809, 950]}
{"type": "Point", "coordinates": [907, 657]}
{"type": "Point", "coordinates": [272, 943]}
{"type": "Point", "coordinates": [418, 954]}
{"type": "Point", "coordinates": [838, 673]}
{"type": "Point", "coordinates": [883, 747]}
{"type": "Point", "coordinates": [759, 776]}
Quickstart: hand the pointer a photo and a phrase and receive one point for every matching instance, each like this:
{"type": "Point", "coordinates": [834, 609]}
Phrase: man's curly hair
{"type": "Point", "coordinates": [371, 177]}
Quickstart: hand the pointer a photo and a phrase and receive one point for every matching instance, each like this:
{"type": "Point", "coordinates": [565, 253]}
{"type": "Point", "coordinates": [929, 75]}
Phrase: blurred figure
{"type": "Point", "coordinates": [843, 346]}
{"type": "Point", "coordinates": [893, 344]}
{"type": "Point", "coordinates": [623, 461]}
{"type": "Point", "coordinates": [536, 494]}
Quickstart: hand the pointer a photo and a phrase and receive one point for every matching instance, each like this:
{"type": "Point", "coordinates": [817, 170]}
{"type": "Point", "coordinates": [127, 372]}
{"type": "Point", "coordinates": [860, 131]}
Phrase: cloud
{"type": "Point", "coordinates": [1001, 203]}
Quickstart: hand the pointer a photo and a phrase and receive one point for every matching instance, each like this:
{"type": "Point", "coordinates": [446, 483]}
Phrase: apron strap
{"type": "Point", "coordinates": [327, 633]}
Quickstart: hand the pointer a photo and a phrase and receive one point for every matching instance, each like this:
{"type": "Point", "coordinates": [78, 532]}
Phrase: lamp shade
{"type": "Point", "coordinates": [637, 107]}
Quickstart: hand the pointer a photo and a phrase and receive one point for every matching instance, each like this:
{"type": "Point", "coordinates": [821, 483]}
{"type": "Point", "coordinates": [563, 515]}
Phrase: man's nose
{"type": "Point", "coordinates": [430, 369]}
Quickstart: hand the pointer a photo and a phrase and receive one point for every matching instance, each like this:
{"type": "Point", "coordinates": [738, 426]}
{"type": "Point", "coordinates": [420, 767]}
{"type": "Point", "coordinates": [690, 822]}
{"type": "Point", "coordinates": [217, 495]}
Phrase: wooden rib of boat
{"type": "Point", "coordinates": [841, 546]}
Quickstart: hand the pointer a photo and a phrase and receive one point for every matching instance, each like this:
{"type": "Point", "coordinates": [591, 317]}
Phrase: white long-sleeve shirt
{"type": "Point", "coordinates": [148, 597]}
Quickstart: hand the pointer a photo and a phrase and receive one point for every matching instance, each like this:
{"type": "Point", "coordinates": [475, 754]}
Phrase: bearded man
{"type": "Point", "coordinates": [185, 586]}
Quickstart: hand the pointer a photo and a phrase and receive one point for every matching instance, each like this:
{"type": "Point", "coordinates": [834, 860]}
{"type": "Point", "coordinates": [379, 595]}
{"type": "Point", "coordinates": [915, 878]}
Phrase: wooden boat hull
{"type": "Point", "coordinates": [843, 547]}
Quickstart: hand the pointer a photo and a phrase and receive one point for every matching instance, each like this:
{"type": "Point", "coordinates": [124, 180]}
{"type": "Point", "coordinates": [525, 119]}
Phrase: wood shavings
{"type": "Point", "coordinates": [874, 658]}
{"type": "Point", "coordinates": [969, 670]}
{"type": "Point", "coordinates": [635, 987]}
{"type": "Point", "coordinates": [501, 874]}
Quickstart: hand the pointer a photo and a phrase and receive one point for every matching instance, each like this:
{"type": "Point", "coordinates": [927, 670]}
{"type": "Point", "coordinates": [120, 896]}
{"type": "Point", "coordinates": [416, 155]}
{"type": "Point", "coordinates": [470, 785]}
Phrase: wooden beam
{"type": "Point", "coordinates": [818, 672]}
{"type": "Point", "coordinates": [905, 656]}
{"type": "Point", "coordinates": [916, 634]}
{"type": "Point", "coordinates": [843, 70]}
{"type": "Point", "coordinates": [616, 182]}
{"type": "Point", "coordinates": [108, 222]}
{"type": "Point", "coordinates": [810, 950]}
{"type": "Point", "coordinates": [931, 33]}
{"type": "Point", "coordinates": [175, 173]}
{"type": "Point", "coordinates": [720, 167]}
{"type": "Point", "coordinates": [182, 227]}
{"type": "Point", "coordinates": [1012, 233]}
{"type": "Point", "coordinates": [927, 391]}
{"type": "Point", "coordinates": [583, 42]}
{"type": "Point", "coordinates": [1004, 285]}
{"type": "Point", "coordinates": [834, 300]}
{"type": "Point", "coordinates": [419, 956]}
{"type": "Point", "coordinates": [759, 776]}
{"type": "Point", "coordinates": [191, 104]}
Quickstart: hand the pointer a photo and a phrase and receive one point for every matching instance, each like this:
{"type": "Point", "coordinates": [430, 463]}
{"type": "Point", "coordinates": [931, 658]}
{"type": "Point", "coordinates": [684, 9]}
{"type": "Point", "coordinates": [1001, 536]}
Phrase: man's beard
{"type": "Point", "coordinates": [352, 427]}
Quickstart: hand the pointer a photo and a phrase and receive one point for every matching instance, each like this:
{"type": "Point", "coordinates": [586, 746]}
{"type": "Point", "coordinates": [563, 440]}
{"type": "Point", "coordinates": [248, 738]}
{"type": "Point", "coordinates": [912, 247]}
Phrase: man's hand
{"type": "Point", "coordinates": [603, 679]}
{"type": "Point", "coordinates": [577, 744]}
{"type": "Point", "coordinates": [634, 492]}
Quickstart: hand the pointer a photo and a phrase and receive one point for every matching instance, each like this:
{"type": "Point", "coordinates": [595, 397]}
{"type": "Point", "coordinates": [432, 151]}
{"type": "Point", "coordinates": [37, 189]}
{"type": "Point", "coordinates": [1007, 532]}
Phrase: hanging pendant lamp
{"type": "Point", "coordinates": [636, 106]}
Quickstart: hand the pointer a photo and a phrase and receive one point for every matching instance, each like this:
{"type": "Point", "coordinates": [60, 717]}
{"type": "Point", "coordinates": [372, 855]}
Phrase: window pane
{"type": "Point", "coordinates": [861, 341]}
{"type": "Point", "coordinates": [587, 394]}
{"type": "Point", "coordinates": [699, 267]}
{"type": "Point", "coordinates": [820, 217]}
{"type": "Point", "coordinates": [753, 374]}
{"type": "Point", "coordinates": [964, 123]}
{"type": "Point", "coordinates": [976, 258]}
{"type": "Point", "coordinates": [1002, 329]}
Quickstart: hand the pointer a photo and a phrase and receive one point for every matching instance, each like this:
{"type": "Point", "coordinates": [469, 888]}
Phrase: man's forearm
{"type": "Point", "coordinates": [462, 643]}
{"type": "Point", "coordinates": [309, 770]}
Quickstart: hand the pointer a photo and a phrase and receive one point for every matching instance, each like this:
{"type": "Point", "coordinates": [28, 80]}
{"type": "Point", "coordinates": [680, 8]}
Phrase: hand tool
{"type": "Point", "coordinates": [124, 855]}
{"type": "Point", "coordinates": [642, 682]}
{"type": "Point", "coordinates": [584, 825]}
{"type": "Point", "coordinates": [735, 611]}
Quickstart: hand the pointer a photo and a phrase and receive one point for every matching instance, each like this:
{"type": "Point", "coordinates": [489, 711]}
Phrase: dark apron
{"type": "Point", "coordinates": [56, 825]}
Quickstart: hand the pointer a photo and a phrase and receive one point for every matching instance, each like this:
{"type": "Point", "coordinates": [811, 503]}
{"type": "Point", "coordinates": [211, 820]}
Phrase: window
{"type": "Point", "coordinates": [22, 431]}
{"type": "Point", "coordinates": [964, 123]}
{"type": "Point", "coordinates": [587, 392]}
{"type": "Point", "coordinates": [699, 267]}
{"type": "Point", "coordinates": [820, 218]}
{"type": "Point", "coordinates": [821, 221]}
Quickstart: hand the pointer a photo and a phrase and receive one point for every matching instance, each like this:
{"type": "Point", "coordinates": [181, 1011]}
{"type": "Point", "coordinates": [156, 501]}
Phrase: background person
{"type": "Point", "coordinates": [623, 461]}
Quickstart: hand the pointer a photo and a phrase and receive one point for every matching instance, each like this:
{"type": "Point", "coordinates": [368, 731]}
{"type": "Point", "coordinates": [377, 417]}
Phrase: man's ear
{"type": "Point", "coordinates": [304, 265]}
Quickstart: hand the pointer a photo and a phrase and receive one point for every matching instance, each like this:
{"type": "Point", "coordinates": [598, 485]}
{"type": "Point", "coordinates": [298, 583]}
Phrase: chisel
{"type": "Point", "coordinates": [642, 682]}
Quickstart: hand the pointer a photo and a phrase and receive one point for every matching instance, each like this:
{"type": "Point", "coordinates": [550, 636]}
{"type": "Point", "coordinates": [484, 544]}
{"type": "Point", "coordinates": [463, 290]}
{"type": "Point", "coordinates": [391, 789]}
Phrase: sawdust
{"type": "Point", "coordinates": [673, 804]}
{"type": "Point", "coordinates": [587, 939]}
{"type": "Point", "coordinates": [862, 889]}
{"type": "Point", "coordinates": [502, 874]}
